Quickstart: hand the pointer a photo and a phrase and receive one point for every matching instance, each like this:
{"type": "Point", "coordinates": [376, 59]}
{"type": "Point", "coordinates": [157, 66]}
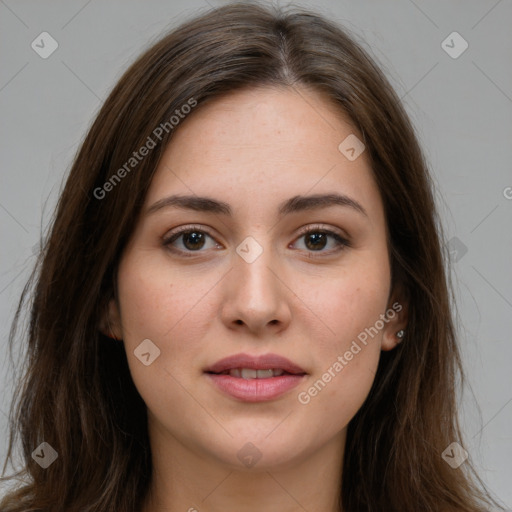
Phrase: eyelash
{"type": "Point", "coordinates": [340, 240]}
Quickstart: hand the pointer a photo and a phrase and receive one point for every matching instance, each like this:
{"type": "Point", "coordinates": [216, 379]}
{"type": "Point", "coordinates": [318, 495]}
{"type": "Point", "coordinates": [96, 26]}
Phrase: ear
{"type": "Point", "coordinates": [110, 323]}
{"type": "Point", "coordinates": [397, 315]}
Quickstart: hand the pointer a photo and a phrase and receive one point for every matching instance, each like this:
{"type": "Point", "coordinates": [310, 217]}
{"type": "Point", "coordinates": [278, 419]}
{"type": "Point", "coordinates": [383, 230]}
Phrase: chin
{"type": "Point", "coordinates": [259, 453]}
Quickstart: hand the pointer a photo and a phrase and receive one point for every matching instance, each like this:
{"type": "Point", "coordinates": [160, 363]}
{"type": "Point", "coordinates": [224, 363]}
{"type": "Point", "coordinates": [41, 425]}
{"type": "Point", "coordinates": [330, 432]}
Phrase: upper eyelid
{"type": "Point", "coordinates": [302, 230]}
{"type": "Point", "coordinates": [321, 227]}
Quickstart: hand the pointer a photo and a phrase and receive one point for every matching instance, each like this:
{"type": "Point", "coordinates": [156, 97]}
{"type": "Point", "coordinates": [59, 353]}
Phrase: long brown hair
{"type": "Point", "coordinates": [76, 392]}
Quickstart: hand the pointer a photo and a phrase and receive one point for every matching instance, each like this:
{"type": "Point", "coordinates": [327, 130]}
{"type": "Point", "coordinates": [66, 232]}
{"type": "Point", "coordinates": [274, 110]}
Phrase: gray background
{"type": "Point", "coordinates": [461, 107]}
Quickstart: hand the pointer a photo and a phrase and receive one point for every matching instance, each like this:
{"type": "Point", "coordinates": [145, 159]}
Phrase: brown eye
{"type": "Point", "coordinates": [189, 240]}
{"type": "Point", "coordinates": [193, 240]}
{"type": "Point", "coordinates": [316, 240]}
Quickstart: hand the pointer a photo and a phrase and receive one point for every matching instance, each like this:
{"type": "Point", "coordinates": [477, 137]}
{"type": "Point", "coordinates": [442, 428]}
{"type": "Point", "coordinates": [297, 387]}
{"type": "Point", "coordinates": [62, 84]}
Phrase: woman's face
{"type": "Point", "coordinates": [246, 282]}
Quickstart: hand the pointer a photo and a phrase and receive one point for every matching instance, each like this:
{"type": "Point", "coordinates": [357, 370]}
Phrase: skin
{"type": "Point", "coordinates": [253, 150]}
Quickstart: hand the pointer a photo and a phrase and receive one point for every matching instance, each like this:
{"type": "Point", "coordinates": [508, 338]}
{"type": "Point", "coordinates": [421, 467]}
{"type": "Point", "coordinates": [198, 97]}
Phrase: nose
{"type": "Point", "coordinates": [255, 297]}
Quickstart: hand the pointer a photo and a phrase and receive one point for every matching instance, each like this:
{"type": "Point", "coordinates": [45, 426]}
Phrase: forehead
{"type": "Point", "coordinates": [263, 119]}
{"type": "Point", "coordinates": [266, 142]}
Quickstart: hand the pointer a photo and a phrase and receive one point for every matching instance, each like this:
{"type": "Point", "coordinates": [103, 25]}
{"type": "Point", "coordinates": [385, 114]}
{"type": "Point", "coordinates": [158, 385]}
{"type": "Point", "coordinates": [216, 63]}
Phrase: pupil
{"type": "Point", "coordinates": [195, 238]}
{"type": "Point", "coordinates": [318, 238]}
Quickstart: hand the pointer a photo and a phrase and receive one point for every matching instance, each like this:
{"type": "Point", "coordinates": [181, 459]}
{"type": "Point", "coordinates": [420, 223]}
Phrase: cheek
{"type": "Point", "coordinates": [348, 356]}
{"type": "Point", "coordinates": [156, 304]}
{"type": "Point", "coordinates": [171, 309]}
{"type": "Point", "coordinates": [349, 350]}
{"type": "Point", "coordinates": [346, 392]}
{"type": "Point", "coordinates": [348, 303]}
{"type": "Point", "coordinates": [157, 301]}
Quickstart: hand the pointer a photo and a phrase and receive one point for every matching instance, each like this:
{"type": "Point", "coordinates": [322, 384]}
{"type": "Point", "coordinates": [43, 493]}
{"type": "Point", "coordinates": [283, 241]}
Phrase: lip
{"type": "Point", "coordinates": [255, 390]}
{"type": "Point", "coordinates": [261, 362]}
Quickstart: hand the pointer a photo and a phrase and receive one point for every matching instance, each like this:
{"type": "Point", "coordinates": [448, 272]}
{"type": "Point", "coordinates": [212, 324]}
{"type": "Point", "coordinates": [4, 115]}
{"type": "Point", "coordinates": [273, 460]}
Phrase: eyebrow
{"type": "Point", "coordinates": [292, 205]}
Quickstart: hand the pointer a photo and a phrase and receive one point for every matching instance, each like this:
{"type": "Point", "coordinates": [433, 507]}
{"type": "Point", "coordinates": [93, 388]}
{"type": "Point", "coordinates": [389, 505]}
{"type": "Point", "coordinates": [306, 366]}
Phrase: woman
{"type": "Point", "coordinates": [242, 303]}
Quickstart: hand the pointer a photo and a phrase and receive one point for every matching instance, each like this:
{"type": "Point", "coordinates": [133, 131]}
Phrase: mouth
{"type": "Point", "coordinates": [255, 367]}
{"type": "Point", "coordinates": [255, 378]}
{"type": "Point", "coordinates": [251, 373]}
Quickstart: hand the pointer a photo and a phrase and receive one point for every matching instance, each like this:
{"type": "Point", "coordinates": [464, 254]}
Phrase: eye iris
{"type": "Point", "coordinates": [195, 238]}
{"type": "Point", "coordinates": [320, 238]}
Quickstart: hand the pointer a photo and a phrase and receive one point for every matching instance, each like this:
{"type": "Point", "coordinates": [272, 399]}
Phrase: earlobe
{"type": "Point", "coordinates": [395, 331]}
{"type": "Point", "coordinates": [393, 338]}
{"type": "Point", "coordinates": [110, 324]}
